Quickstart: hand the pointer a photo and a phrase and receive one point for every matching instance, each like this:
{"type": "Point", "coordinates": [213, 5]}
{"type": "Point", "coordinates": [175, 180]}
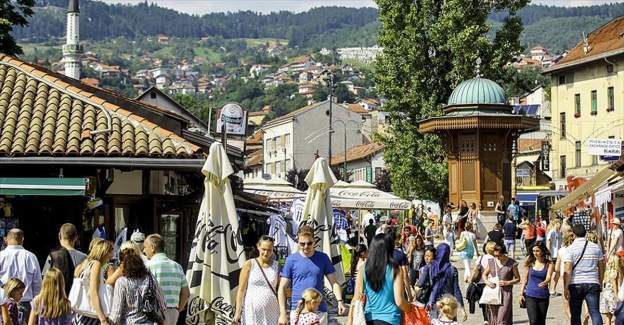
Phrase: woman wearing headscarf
{"type": "Point", "coordinates": [445, 279]}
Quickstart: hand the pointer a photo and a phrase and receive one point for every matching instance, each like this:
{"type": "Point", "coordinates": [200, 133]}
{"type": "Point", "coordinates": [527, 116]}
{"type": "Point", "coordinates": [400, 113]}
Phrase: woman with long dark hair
{"type": "Point", "coordinates": [535, 283]}
{"type": "Point", "coordinates": [380, 279]}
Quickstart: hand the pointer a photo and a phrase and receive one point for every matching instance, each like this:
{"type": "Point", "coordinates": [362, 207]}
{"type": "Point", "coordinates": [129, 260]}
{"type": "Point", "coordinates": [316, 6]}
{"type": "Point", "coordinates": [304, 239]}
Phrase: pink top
{"type": "Point", "coordinates": [307, 319]}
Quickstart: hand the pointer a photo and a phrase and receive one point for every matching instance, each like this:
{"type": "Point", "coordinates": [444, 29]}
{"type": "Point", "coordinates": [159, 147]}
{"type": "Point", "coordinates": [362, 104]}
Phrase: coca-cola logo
{"type": "Point", "coordinates": [399, 205]}
{"type": "Point", "coordinates": [348, 193]}
{"type": "Point", "coordinates": [365, 204]}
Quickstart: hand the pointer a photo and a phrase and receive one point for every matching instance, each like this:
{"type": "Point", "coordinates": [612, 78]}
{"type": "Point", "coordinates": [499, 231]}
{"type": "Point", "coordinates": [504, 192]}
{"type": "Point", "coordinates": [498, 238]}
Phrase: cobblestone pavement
{"type": "Point", "coordinates": [556, 313]}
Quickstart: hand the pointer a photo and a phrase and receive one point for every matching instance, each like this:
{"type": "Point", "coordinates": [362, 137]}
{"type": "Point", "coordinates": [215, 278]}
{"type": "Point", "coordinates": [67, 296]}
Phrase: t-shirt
{"type": "Point", "coordinates": [428, 237]}
{"type": "Point", "coordinates": [509, 229]}
{"type": "Point", "coordinates": [306, 319]}
{"type": "Point", "coordinates": [514, 211]}
{"type": "Point", "coordinates": [586, 270]}
{"type": "Point", "coordinates": [307, 272]}
{"type": "Point", "coordinates": [617, 237]}
{"type": "Point", "coordinates": [529, 231]}
{"type": "Point", "coordinates": [554, 241]}
{"type": "Point", "coordinates": [399, 257]}
{"type": "Point", "coordinates": [447, 219]}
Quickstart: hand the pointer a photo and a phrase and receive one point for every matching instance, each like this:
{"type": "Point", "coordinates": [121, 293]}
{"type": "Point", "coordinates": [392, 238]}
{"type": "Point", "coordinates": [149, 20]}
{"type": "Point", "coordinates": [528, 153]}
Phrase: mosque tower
{"type": "Point", "coordinates": [72, 50]}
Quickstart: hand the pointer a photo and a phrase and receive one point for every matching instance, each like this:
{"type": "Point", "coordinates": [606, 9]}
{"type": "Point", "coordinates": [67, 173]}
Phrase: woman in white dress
{"type": "Point", "coordinates": [259, 276]}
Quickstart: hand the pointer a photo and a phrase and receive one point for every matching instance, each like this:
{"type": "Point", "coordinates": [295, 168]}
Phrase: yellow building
{"type": "Point", "coordinates": [587, 101]}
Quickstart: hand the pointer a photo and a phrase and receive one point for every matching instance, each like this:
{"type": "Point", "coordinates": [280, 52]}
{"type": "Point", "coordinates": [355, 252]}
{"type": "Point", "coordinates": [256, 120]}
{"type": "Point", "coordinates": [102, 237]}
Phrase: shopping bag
{"type": "Point", "coordinates": [358, 313]}
{"type": "Point", "coordinates": [417, 315]}
{"type": "Point", "coordinates": [491, 296]}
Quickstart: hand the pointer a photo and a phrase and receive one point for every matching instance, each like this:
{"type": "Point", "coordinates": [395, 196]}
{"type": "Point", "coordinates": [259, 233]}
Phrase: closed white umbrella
{"type": "Point", "coordinates": [318, 213]}
{"type": "Point", "coordinates": [217, 251]}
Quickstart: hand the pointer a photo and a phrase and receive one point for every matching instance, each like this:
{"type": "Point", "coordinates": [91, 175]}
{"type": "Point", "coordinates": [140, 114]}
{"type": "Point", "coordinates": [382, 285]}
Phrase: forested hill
{"type": "Point", "coordinates": [555, 28]}
{"type": "Point", "coordinates": [100, 20]}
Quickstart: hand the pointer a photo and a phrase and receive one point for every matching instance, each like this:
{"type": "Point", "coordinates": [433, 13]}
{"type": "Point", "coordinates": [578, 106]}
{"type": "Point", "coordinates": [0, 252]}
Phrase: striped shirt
{"type": "Point", "coordinates": [587, 269]}
{"type": "Point", "coordinates": [170, 276]}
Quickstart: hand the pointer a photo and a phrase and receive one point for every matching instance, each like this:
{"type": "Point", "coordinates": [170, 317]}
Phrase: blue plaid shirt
{"type": "Point", "coordinates": [340, 219]}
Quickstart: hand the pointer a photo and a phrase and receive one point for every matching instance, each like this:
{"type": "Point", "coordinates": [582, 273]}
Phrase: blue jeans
{"type": "Point", "coordinates": [590, 293]}
{"type": "Point", "coordinates": [510, 245]}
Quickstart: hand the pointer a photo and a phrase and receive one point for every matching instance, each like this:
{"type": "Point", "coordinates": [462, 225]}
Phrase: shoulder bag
{"type": "Point", "coordinates": [357, 306]}
{"type": "Point", "coordinates": [477, 270]}
{"type": "Point", "coordinates": [492, 296]}
{"type": "Point", "coordinates": [461, 243]}
{"type": "Point", "coordinates": [266, 278]}
{"type": "Point", "coordinates": [79, 294]}
{"type": "Point", "coordinates": [581, 257]}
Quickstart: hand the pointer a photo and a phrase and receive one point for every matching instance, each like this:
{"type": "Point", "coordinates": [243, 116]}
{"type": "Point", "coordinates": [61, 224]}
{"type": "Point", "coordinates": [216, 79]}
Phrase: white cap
{"type": "Point", "coordinates": [137, 237]}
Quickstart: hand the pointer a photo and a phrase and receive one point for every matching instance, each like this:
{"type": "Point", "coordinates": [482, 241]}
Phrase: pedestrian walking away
{"type": "Point", "coordinates": [445, 280]}
{"type": "Point", "coordinates": [51, 306]}
{"type": "Point", "coordinates": [568, 239]}
{"type": "Point", "coordinates": [66, 257]}
{"type": "Point", "coordinates": [306, 269]}
{"type": "Point", "coordinates": [500, 210]}
{"type": "Point", "coordinates": [17, 262]}
{"type": "Point", "coordinates": [469, 241]}
{"type": "Point", "coordinates": [509, 235]}
{"type": "Point", "coordinates": [369, 231]}
{"type": "Point", "coordinates": [256, 301]}
{"type": "Point", "coordinates": [611, 283]}
{"type": "Point", "coordinates": [380, 281]}
{"type": "Point", "coordinates": [583, 264]}
{"type": "Point", "coordinates": [169, 275]}
{"type": "Point", "coordinates": [534, 287]}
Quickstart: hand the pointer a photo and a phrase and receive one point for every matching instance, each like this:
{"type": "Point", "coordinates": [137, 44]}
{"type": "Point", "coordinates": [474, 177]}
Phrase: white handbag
{"type": "Point", "coordinates": [492, 296]}
{"type": "Point", "coordinates": [358, 313]}
{"type": "Point", "coordinates": [79, 295]}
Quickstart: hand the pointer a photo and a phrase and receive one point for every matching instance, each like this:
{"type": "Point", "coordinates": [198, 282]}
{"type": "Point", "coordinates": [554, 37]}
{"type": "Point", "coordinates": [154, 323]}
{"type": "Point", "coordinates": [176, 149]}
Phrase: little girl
{"type": "Point", "coordinates": [13, 292]}
{"type": "Point", "coordinates": [51, 305]}
{"type": "Point", "coordinates": [447, 311]}
{"type": "Point", "coordinates": [306, 310]}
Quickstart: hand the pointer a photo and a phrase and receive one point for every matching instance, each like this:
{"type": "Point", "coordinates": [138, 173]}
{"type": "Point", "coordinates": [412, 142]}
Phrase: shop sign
{"type": "Point", "coordinates": [523, 172]}
{"type": "Point", "coordinates": [234, 118]}
{"type": "Point", "coordinates": [604, 147]}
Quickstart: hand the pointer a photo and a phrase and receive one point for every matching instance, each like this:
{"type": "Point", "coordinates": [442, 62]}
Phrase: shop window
{"type": "Point", "coordinates": [577, 105]}
{"type": "Point", "coordinates": [562, 125]}
{"type": "Point", "coordinates": [594, 102]}
{"type": "Point", "coordinates": [577, 153]}
{"type": "Point", "coordinates": [562, 167]}
{"type": "Point", "coordinates": [562, 79]}
{"type": "Point", "coordinates": [610, 99]}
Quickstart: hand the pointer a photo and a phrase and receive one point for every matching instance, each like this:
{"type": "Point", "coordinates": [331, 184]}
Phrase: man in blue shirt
{"type": "Point", "coordinates": [306, 269]}
{"type": "Point", "coordinates": [514, 210]}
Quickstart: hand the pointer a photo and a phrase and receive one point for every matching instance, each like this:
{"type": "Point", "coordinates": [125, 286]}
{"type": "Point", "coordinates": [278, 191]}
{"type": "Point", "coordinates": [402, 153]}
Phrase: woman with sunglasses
{"type": "Point", "coordinates": [259, 277]}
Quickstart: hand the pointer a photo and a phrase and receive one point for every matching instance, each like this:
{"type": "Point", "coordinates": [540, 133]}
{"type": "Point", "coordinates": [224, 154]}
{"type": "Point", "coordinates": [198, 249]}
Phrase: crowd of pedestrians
{"type": "Point", "coordinates": [141, 287]}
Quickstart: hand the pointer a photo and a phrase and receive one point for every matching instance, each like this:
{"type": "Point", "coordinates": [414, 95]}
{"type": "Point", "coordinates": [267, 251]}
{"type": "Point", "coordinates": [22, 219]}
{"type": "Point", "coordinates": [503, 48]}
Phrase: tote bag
{"type": "Point", "coordinates": [492, 296]}
{"type": "Point", "coordinates": [79, 294]}
{"type": "Point", "coordinates": [417, 315]}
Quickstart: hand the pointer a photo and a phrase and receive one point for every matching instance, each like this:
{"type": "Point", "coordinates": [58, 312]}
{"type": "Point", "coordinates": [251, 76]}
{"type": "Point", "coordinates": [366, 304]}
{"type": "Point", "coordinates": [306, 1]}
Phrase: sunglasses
{"type": "Point", "coordinates": [269, 238]}
{"type": "Point", "coordinates": [305, 244]}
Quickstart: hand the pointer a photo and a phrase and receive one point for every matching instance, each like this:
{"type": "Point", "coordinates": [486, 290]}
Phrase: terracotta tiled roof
{"type": "Point", "coordinates": [357, 153]}
{"type": "Point", "coordinates": [602, 41]}
{"type": "Point", "coordinates": [356, 108]}
{"type": "Point", "coordinates": [41, 114]}
{"type": "Point", "coordinates": [255, 158]}
{"type": "Point", "coordinates": [91, 82]}
{"type": "Point", "coordinates": [256, 138]}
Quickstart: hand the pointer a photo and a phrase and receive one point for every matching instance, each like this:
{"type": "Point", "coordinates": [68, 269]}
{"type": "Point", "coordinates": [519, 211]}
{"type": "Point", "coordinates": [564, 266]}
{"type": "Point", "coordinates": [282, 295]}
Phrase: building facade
{"type": "Point", "coordinates": [294, 140]}
{"type": "Point", "coordinates": [587, 89]}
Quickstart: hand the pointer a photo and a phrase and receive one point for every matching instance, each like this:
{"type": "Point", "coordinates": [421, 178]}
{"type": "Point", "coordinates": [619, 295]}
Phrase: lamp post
{"type": "Point", "coordinates": [344, 166]}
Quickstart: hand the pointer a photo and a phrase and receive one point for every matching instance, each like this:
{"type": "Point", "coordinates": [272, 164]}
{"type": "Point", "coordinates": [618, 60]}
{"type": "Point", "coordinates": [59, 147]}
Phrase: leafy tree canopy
{"type": "Point", "coordinates": [13, 13]}
{"type": "Point", "coordinates": [429, 47]}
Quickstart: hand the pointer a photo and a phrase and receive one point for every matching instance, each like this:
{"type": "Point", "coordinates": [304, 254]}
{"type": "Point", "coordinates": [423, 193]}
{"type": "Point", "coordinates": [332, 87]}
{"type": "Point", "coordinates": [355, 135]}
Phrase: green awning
{"type": "Point", "coordinates": [43, 186]}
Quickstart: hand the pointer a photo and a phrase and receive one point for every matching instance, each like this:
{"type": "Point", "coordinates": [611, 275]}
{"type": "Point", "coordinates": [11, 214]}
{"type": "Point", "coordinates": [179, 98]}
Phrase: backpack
{"type": "Point", "coordinates": [149, 304]}
{"type": "Point", "coordinates": [62, 260]}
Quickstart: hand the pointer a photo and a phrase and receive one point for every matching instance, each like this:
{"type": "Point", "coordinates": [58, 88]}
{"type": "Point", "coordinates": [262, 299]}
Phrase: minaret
{"type": "Point", "coordinates": [72, 50]}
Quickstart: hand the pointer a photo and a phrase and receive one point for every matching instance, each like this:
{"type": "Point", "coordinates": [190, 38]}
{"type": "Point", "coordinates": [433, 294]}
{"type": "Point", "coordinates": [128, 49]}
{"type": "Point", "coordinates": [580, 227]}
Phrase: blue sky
{"type": "Point", "coordinates": [266, 6]}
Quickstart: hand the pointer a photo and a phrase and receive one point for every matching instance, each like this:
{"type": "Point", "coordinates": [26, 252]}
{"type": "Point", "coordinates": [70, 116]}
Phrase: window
{"type": "Point", "coordinates": [577, 105]}
{"type": "Point", "coordinates": [577, 154]}
{"type": "Point", "coordinates": [153, 95]}
{"type": "Point", "coordinates": [594, 102]}
{"type": "Point", "coordinates": [281, 142]}
{"type": "Point", "coordinates": [610, 99]}
{"type": "Point", "coordinates": [278, 168]}
{"type": "Point", "coordinates": [284, 167]}
{"type": "Point", "coordinates": [562, 125]}
{"type": "Point", "coordinates": [609, 68]}
{"type": "Point", "coordinates": [562, 167]}
{"type": "Point", "coordinates": [286, 140]}
{"type": "Point", "coordinates": [562, 79]}
{"type": "Point", "coordinates": [288, 165]}
{"type": "Point", "coordinates": [270, 169]}
{"type": "Point", "coordinates": [570, 79]}
{"type": "Point", "coordinates": [275, 144]}
{"type": "Point", "coordinates": [594, 160]}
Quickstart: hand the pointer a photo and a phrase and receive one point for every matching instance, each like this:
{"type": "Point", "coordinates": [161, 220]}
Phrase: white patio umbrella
{"type": "Point", "coordinates": [217, 251]}
{"type": "Point", "coordinates": [318, 213]}
{"type": "Point", "coordinates": [276, 189]}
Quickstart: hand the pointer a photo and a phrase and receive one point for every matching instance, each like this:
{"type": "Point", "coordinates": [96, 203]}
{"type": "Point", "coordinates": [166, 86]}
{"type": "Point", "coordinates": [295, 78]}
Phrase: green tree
{"type": "Point", "coordinates": [343, 95]}
{"type": "Point", "coordinates": [13, 13]}
{"type": "Point", "coordinates": [429, 47]}
{"type": "Point", "coordinates": [320, 93]}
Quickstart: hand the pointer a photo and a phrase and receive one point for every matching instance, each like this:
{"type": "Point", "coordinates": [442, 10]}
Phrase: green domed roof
{"type": "Point", "coordinates": [477, 91]}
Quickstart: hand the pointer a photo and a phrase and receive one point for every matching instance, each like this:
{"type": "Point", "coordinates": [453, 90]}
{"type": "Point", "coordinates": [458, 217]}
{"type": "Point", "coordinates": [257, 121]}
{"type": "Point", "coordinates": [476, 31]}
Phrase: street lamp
{"type": "Point", "coordinates": [344, 125]}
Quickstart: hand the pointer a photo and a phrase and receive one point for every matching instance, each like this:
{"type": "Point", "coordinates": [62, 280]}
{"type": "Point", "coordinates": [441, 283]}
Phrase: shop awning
{"type": "Point", "coordinates": [43, 186]}
{"type": "Point", "coordinates": [586, 189]}
{"type": "Point", "coordinates": [526, 197]}
{"type": "Point", "coordinates": [363, 195]}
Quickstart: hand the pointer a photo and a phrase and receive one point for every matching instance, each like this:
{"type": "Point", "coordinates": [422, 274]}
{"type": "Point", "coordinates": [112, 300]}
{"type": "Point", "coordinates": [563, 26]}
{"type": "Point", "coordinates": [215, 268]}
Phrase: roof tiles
{"type": "Point", "coordinates": [42, 115]}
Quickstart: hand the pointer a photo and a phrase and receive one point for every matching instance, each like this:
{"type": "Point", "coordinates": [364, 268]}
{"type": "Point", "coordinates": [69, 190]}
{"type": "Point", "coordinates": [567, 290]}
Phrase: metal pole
{"type": "Point", "coordinates": [346, 175]}
{"type": "Point", "coordinates": [331, 129]}
{"type": "Point", "coordinates": [209, 119]}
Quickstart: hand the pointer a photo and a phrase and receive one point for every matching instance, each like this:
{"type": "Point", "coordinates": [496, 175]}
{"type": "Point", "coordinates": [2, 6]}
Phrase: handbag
{"type": "Point", "coordinates": [79, 295]}
{"type": "Point", "coordinates": [356, 316]}
{"type": "Point", "coordinates": [417, 315]}
{"type": "Point", "coordinates": [149, 305]}
{"type": "Point", "coordinates": [492, 296]}
{"type": "Point", "coordinates": [461, 244]}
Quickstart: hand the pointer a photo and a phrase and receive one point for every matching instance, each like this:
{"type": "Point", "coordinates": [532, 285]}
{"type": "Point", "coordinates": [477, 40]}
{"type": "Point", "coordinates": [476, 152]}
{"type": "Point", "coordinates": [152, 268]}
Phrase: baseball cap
{"type": "Point", "coordinates": [137, 237]}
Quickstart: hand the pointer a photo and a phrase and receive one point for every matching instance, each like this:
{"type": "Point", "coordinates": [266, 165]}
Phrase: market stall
{"type": "Point", "coordinates": [276, 189]}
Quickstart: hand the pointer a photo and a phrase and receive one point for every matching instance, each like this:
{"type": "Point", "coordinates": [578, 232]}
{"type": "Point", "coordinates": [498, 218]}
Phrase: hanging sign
{"type": "Point", "coordinates": [234, 118]}
{"type": "Point", "coordinates": [604, 147]}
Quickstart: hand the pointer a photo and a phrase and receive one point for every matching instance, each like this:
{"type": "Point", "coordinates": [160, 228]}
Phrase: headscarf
{"type": "Point", "coordinates": [441, 263]}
